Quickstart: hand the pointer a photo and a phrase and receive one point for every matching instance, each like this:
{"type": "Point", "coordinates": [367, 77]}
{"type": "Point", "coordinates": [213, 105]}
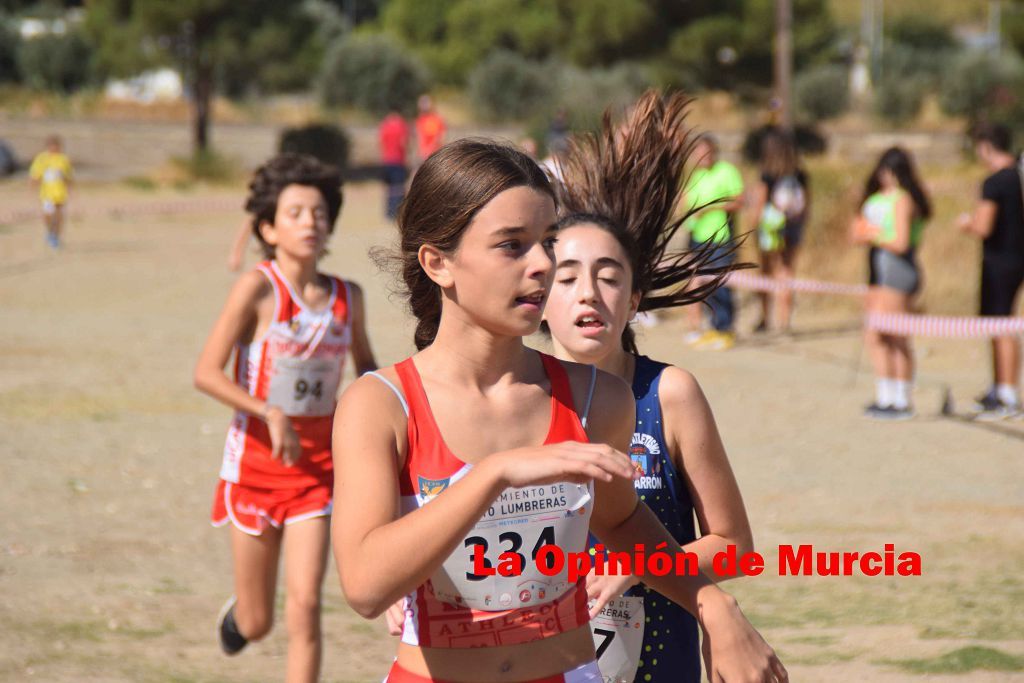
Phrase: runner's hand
{"type": "Point", "coordinates": [567, 461]}
{"type": "Point", "coordinates": [395, 617]}
{"type": "Point", "coordinates": [734, 652]}
{"type": "Point", "coordinates": [603, 589]}
{"type": "Point", "coordinates": [284, 442]}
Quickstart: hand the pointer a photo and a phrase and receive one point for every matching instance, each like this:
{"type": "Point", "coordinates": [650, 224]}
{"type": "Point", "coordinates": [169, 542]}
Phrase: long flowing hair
{"type": "Point", "coordinates": [628, 179]}
{"type": "Point", "coordinates": [899, 162]}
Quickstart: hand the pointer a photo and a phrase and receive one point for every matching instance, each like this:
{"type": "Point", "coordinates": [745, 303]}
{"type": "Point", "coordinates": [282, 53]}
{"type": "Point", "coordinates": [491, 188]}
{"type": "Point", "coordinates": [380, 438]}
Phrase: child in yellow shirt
{"type": "Point", "coordinates": [51, 172]}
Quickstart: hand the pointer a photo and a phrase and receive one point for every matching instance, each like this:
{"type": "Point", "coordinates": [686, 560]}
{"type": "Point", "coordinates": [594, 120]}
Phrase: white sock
{"type": "Point", "coordinates": [883, 392]}
{"type": "Point", "coordinates": [1007, 393]}
{"type": "Point", "coordinates": [901, 394]}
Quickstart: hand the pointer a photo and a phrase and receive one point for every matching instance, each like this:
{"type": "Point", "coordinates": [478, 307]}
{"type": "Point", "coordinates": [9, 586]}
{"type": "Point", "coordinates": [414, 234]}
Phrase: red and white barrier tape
{"type": "Point", "coordinates": [950, 327]}
{"type": "Point", "coordinates": [760, 283]}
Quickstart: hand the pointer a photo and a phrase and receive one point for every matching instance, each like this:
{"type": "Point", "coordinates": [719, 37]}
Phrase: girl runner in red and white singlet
{"type": "Point", "coordinates": [478, 446]}
{"type": "Point", "coordinates": [291, 329]}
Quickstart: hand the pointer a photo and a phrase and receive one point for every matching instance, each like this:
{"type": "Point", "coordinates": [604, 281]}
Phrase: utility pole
{"type": "Point", "coordinates": [783, 61]}
{"type": "Point", "coordinates": [995, 29]}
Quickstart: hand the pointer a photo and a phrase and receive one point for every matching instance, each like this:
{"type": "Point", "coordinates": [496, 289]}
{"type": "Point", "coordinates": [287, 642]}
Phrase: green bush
{"type": "Point", "coordinates": [822, 92]}
{"type": "Point", "coordinates": [54, 62]}
{"type": "Point", "coordinates": [373, 73]}
{"type": "Point", "coordinates": [506, 86]}
{"type": "Point", "coordinates": [977, 84]}
{"type": "Point", "coordinates": [9, 41]}
{"type": "Point", "coordinates": [325, 141]}
{"type": "Point", "coordinates": [706, 50]}
{"type": "Point", "coordinates": [206, 165]}
{"type": "Point", "coordinates": [921, 32]}
{"type": "Point", "coordinates": [899, 99]}
{"type": "Point", "coordinates": [586, 93]}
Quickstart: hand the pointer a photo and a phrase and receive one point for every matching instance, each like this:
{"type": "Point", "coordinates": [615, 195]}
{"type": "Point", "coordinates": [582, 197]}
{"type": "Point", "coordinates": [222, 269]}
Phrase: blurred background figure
{"type": "Point", "coordinates": [998, 220]}
{"type": "Point", "coordinates": [892, 216]}
{"type": "Point", "coordinates": [393, 134]}
{"type": "Point", "coordinates": [51, 173]}
{"type": "Point", "coordinates": [781, 205]}
{"type": "Point", "coordinates": [430, 128]}
{"type": "Point", "coordinates": [529, 145]}
{"type": "Point", "coordinates": [714, 191]}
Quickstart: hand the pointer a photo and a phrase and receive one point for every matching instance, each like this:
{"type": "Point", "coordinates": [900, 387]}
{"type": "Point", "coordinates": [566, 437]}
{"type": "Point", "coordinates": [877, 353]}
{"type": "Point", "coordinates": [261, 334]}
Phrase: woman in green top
{"type": "Point", "coordinates": [892, 216]}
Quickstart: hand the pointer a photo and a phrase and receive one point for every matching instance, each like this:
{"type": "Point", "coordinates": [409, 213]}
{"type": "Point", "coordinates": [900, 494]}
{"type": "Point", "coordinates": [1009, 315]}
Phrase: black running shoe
{"type": "Point", "coordinates": [987, 402]}
{"type": "Point", "coordinates": [877, 412]}
{"type": "Point", "coordinates": [231, 641]}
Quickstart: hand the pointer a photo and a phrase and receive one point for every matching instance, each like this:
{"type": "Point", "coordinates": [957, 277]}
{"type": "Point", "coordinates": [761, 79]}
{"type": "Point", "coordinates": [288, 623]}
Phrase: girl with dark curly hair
{"type": "Point", "coordinates": [290, 328]}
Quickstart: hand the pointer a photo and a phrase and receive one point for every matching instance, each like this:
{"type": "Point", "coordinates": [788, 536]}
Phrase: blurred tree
{"type": "Point", "coordinates": [200, 36]}
{"type": "Point", "coordinates": [507, 86]}
{"type": "Point", "coordinates": [732, 43]}
{"type": "Point", "coordinates": [54, 61]}
{"type": "Point", "coordinates": [921, 32]}
{"type": "Point", "coordinates": [371, 72]}
{"type": "Point", "coordinates": [9, 40]}
{"type": "Point", "coordinates": [454, 36]}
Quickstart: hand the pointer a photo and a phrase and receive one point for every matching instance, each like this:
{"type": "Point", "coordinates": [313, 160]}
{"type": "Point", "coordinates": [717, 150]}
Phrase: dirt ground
{"type": "Point", "coordinates": [109, 570]}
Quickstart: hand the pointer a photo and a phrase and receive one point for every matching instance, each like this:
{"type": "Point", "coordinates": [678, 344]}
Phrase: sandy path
{"type": "Point", "coordinates": [109, 571]}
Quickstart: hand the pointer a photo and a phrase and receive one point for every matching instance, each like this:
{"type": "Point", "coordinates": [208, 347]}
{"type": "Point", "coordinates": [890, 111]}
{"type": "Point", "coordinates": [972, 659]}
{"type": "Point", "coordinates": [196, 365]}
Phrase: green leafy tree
{"type": "Point", "coordinates": [373, 73]}
{"type": "Point", "coordinates": [200, 36]}
{"type": "Point", "coordinates": [54, 62]}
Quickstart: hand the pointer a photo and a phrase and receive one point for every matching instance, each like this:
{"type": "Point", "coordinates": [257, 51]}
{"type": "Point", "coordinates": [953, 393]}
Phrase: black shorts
{"type": "Point", "coordinates": [1000, 283]}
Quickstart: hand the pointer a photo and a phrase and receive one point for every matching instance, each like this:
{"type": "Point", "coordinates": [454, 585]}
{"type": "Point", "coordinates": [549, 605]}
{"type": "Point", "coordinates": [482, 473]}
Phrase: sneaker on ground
{"type": "Point", "coordinates": [691, 338]}
{"type": "Point", "coordinates": [987, 402]}
{"type": "Point", "coordinates": [231, 641]}
{"type": "Point", "coordinates": [877, 412]}
{"type": "Point", "coordinates": [713, 340]}
{"type": "Point", "coordinates": [997, 411]}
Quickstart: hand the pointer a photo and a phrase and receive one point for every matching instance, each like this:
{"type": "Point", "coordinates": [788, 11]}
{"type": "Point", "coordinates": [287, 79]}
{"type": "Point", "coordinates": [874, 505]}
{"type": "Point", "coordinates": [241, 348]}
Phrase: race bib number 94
{"type": "Point", "coordinates": [520, 522]}
{"type": "Point", "coordinates": [304, 387]}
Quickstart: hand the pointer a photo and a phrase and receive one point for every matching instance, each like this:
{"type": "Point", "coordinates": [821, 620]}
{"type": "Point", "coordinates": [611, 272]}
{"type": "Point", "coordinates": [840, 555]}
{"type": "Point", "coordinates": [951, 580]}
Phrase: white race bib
{"type": "Point", "coordinates": [304, 387]}
{"type": "Point", "coordinates": [520, 521]}
{"type": "Point", "coordinates": [618, 638]}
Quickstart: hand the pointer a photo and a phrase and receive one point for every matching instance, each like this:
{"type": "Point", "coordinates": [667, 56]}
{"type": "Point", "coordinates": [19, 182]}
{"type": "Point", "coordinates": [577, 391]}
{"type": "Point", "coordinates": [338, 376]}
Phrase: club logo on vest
{"type": "Point", "coordinates": [643, 451]}
{"type": "Point", "coordinates": [432, 487]}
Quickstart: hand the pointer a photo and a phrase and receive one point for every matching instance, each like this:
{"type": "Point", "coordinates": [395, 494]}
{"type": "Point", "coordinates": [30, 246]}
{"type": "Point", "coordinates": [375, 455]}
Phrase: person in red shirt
{"type": "Point", "coordinates": [394, 138]}
{"type": "Point", "coordinates": [430, 129]}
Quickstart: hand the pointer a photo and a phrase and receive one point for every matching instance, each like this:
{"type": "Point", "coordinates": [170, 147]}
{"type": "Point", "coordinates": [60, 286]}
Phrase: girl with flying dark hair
{"type": "Point", "coordinates": [610, 262]}
{"type": "Point", "coordinates": [891, 220]}
{"type": "Point", "coordinates": [478, 448]}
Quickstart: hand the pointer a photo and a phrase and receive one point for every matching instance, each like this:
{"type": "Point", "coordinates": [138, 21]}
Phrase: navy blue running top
{"type": "Point", "coordinates": [671, 649]}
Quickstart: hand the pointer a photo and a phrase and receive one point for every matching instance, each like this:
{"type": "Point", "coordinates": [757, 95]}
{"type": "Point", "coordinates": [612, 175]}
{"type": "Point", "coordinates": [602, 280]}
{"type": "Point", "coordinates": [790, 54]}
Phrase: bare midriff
{"type": "Point", "coordinates": [504, 664]}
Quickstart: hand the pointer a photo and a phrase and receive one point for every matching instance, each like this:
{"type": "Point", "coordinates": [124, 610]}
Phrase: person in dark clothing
{"type": "Point", "coordinates": [998, 220]}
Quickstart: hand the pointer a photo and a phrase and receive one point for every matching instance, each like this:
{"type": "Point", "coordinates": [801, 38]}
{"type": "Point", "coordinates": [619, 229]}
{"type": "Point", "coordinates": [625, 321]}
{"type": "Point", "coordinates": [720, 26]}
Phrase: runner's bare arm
{"type": "Point", "coordinates": [983, 219]}
{"type": "Point", "coordinates": [362, 354]}
{"type": "Point", "coordinates": [758, 198]}
{"type": "Point", "coordinates": [699, 456]}
{"type": "Point", "coordinates": [236, 321]}
{"type": "Point", "coordinates": [382, 556]}
{"type": "Point", "coordinates": [734, 650]}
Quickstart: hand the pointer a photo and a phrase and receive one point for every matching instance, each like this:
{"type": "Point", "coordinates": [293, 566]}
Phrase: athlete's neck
{"type": "Point", "coordinates": [618, 361]}
{"type": "Point", "coordinates": [472, 356]}
{"type": "Point", "coordinates": [1000, 160]}
{"type": "Point", "coordinates": [299, 273]}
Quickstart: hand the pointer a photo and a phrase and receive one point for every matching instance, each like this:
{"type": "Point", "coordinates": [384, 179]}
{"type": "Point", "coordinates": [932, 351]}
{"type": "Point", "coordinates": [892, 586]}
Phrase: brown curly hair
{"type": "Point", "coordinates": [273, 177]}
